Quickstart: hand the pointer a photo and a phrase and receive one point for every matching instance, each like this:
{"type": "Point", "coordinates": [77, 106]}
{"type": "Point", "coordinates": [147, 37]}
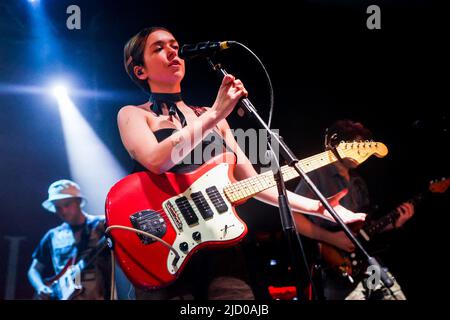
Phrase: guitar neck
{"type": "Point", "coordinates": [249, 187]}
{"type": "Point", "coordinates": [379, 225]}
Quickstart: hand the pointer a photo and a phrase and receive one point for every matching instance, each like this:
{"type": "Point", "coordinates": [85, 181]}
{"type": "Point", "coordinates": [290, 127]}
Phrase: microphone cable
{"type": "Point", "coordinates": [269, 81]}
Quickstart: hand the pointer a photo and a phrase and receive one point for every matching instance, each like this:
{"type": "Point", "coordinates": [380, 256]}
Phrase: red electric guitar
{"type": "Point", "coordinates": [194, 210]}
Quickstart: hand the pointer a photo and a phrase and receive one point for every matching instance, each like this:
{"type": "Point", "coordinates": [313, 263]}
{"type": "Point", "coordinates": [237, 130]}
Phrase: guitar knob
{"type": "Point", "coordinates": [352, 255]}
{"type": "Point", "coordinates": [354, 262]}
{"type": "Point", "coordinates": [196, 236]}
{"type": "Point", "coordinates": [184, 246]}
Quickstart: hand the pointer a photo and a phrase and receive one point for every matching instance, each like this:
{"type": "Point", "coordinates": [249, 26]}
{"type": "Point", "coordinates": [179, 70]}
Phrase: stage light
{"type": "Point", "coordinates": [59, 91]}
{"type": "Point", "coordinates": [91, 163]}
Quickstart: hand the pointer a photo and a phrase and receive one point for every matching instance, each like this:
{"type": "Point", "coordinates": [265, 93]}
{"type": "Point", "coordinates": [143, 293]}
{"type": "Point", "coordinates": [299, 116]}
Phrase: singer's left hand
{"type": "Point", "coordinates": [346, 215]}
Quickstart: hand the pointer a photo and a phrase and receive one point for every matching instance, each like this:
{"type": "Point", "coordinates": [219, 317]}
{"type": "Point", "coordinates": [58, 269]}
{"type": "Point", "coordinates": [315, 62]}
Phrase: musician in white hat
{"type": "Point", "coordinates": [70, 249]}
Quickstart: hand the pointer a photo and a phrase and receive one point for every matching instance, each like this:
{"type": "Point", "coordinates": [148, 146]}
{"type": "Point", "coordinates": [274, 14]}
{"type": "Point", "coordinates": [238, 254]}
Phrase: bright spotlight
{"type": "Point", "coordinates": [95, 173]}
{"type": "Point", "coordinates": [59, 91]}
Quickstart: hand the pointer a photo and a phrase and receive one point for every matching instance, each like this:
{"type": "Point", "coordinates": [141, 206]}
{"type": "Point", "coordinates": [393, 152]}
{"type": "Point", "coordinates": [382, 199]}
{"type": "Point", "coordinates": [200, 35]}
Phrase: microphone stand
{"type": "Point", "coordinates": [285, 211]}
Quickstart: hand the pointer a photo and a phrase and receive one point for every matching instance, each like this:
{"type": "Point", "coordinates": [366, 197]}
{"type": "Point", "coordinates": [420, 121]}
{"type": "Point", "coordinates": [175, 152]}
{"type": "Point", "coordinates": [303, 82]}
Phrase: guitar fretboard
{"type": "Point", "coordinates": [249, 187]}
{"type": "Point", "coordinates": [377, 226]}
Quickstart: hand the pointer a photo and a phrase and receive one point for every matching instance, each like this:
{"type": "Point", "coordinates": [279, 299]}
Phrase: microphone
{"type": "Point", "coordinates": [203, 49]}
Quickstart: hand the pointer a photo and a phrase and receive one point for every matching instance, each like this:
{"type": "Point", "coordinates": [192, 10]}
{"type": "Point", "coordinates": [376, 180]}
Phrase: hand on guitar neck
{"type": "Point", "coordinates": [336, 246]}
{"type": "Point", "coordinates": [346, 215]}
{"type": "Point", "coordinates": [405, 211]}
{"type": "Point", "coordinates": [338, 239]}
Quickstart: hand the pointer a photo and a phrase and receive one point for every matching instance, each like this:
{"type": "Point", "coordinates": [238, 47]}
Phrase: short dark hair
{"type": "Point", "coordinates": [133, 54]}
{"type": "Point", "coordinates": [346, 130]}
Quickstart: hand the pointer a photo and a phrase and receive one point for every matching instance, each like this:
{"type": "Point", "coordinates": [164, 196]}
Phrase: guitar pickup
{"type": "Point", "coordinates": [217, 200]}
{"type": "Point", "coordinates": [186, 210]}
{"type": "Point", "coordinates": [174, 215]}
{"type": "Point", "coordinates": [202, 205]}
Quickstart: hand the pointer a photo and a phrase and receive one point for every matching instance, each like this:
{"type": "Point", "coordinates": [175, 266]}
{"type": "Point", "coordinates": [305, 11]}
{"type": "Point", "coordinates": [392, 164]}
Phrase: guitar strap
{"type": "Point", "coordinates": [84, 241]}
{"type": "Point", "coordinates": [83, 249]}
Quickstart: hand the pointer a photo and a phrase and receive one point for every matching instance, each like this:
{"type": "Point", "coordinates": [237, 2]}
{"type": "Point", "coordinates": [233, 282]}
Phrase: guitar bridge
{"type": "Point", "coordinates": [174, 215]}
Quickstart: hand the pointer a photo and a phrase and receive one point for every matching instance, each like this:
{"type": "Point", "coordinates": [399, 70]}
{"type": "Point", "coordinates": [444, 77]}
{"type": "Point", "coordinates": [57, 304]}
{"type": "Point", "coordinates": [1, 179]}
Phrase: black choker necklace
{"type": "Point", "coordinates": [169, 99]}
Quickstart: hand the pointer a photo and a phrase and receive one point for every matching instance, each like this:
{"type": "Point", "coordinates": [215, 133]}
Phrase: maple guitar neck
{"type": "Point", "coordinates": [355, 151]}
{"type": "Point", "coordinates": [249, 187]}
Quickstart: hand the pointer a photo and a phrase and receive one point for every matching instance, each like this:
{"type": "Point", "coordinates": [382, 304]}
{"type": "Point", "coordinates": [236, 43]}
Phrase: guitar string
{"type": "Point", "coordinates": [286, 170]}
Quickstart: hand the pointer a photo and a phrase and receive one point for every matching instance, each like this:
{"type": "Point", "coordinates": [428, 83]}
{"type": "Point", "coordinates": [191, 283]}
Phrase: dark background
{"type": "Point", "coordinates": [324, 64]}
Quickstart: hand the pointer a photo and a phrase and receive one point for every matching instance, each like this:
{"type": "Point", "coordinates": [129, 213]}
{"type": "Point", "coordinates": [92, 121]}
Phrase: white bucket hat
{"type": "Point", "coordinates": [62, 189]}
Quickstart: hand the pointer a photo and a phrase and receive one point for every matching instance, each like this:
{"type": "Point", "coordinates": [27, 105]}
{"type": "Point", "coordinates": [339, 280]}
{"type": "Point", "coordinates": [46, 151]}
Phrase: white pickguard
{"type": "Point", "coordinates": [221, 227]}
{"type": "Point", "coordinates": [69, 282]}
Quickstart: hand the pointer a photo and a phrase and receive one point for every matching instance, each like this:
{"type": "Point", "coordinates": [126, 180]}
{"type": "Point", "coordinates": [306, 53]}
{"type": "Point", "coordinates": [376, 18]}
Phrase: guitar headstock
{"type": "Point", "coordinates": [360, 151]}
{"type": "Point", "coordinates": [439, 186]}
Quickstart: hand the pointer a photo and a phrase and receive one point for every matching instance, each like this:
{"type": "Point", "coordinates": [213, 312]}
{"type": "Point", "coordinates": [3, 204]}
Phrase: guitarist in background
{"type": "Point", "coordinates": [333, 178]}
{"type": "Point", "coordinates": [78, 236]}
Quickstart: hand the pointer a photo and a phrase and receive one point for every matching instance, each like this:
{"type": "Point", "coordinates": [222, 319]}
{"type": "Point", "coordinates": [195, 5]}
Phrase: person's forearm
{"type": "Point", "coordinates": [298, 203]}
{"type": "Point", "coordinates": [35, 279]}
{"type": "Point", "coordinates": [308, 229]}
{"type": "Point", "coordinates": [301, 204]}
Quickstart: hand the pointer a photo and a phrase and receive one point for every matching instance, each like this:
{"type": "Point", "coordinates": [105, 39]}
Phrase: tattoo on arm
{"type": "Point", "coordinates": [177, 139]}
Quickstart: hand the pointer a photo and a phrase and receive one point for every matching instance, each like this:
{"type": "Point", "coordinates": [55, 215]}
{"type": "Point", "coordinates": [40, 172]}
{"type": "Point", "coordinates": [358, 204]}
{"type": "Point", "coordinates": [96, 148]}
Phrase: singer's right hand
{"type": "Point", "coordinates": [230, 92]}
